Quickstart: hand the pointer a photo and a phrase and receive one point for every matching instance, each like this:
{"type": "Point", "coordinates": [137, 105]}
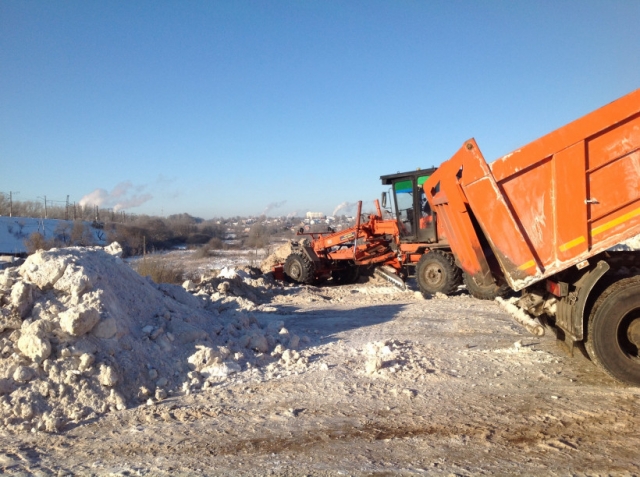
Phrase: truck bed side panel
{"type": "Point", "coordinates": [561, 199]}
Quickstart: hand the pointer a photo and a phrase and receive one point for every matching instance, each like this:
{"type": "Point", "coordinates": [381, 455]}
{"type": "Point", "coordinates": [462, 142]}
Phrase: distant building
{"type": "Point", "coordinates": [315, 215]}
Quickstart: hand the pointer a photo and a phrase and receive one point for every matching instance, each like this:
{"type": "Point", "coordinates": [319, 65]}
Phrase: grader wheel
{"type": "Point", "coordinates": [299, 268]}
{"type": "Point", "coordinates": [437, 272]}
{"type": "Point", "coordinates": [346, 275]}
{"type": "Point", "coordinates": [488, 292]}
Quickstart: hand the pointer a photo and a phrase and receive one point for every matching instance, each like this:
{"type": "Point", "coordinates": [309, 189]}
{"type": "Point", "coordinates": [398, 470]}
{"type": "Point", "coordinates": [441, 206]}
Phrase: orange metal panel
{"type": "Point", "coordinates": [448, 201]}
{"type": "Point", "coordinates": [616, 227]}
{"type": "Point", "coordinates": [502, 230]}
{"type": "Point", "coordinates": [614, 185]}
{"type": "Point", "coordinates": [570, 212]}
{"type": "Point", "coordinates": [529, 194]}
{"type": "Point", "coordinates": [614, 143]}
{"type": "Point", "coordinates": [494, 213]}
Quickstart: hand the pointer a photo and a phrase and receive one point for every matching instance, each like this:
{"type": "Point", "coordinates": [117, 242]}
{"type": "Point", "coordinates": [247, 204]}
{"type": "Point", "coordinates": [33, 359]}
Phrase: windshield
{"type": "Point", "coordinates": [404, 202]}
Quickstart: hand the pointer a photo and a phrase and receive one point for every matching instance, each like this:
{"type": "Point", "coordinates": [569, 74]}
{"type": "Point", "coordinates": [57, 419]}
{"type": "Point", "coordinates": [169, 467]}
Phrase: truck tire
{"type": "Point", "coordinates": [490, 292]}
{"type": "Point", "coordinates": [437, 272]}
{"type": "Point", "coordinates": [299, 268]}
{"type": "Point", "coordinates": [613, 338]}
{"type": "Point", "coordinates": [348, 274]}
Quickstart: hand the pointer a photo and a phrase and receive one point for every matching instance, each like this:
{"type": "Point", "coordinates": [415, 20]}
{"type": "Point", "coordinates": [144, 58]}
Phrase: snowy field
{"type": "Point", "coordinates": [15, 230]}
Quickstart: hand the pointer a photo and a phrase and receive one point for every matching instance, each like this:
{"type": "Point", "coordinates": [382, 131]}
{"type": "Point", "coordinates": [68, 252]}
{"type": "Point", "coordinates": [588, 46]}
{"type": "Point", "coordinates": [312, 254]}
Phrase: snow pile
{"type": "Point", "coordinates": [393, 358]}
{"type": "Point", "coordinates": [626, 246]}
{"type": "Point", "coordinates": [518, 314]}
{"type": "Point", "coordinates": [245, 289]}
{"type": "Point", "coordinates": [82, 334]}
{"type": "Point", "coordinates": [276, 258]}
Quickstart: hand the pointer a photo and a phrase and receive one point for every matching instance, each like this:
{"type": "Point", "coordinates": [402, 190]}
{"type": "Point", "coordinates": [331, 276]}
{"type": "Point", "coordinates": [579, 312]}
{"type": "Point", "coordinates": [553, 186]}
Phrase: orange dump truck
{"type": "Point", "coordinates": [559, 221]}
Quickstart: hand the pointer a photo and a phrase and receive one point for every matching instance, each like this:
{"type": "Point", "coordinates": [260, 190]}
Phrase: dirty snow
{"type": "Point", "coordinates": [87, 335]}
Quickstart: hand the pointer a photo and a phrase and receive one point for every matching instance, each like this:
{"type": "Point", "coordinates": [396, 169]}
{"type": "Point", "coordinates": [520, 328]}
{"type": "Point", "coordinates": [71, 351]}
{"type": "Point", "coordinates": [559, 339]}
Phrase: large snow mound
{"type": "Point", "coordinates": [279, 256]}
{"type": "Point", "coordinates": [81, 334]}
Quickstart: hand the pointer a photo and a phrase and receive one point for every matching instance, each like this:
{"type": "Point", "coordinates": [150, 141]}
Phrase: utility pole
{"type": "Point", "coordinates": [66, 210]}
{"type": "Point", "coordinates": [45, 205]}
{"type": "Point", "coordinates": [11, 202]}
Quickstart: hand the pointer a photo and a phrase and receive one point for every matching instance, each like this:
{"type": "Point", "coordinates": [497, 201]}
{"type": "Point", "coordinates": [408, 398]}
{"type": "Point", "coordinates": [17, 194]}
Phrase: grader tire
{"type": "Point", "coordinates": [299, 269]}
{"type": "Point", "coordinates": [437, 272]}
{"type": "Point", "coordinates": [348, 274]}
{"type": "Point", "coordinates": [490, 292]}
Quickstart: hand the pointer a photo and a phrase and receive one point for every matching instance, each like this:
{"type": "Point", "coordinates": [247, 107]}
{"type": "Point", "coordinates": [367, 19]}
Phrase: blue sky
{"type": "Point", "coordinates": [224, 108]}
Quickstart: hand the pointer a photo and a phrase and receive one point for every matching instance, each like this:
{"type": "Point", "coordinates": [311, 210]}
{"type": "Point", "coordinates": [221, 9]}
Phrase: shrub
{"type": "Point", "coordinates": [62, 232]}
{"type": "Point", "coordinates": [195, 239]}
{"type": "Point", "coordinates": [205, 251]}
{"type": "Point", "coordinates": [160, 272]}
{"type": "Point", "coordinates": [36, 241]}
{"type": "Point", "coordinates": [215, 244]}
{"type": "Point", "coordinates": [130, 237]}
{"type": "Point", "coordinates": [259, 236]}
{"type": "Point", "coordinates": [81, 234]}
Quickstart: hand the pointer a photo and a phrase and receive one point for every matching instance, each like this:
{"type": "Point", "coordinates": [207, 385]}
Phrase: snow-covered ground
{"type": "Point", "coordinates": [196, 266]}
{"type": "Point", "coordinates": [15, 230]}
{"type": "Point", "coordinates": [248, 376]}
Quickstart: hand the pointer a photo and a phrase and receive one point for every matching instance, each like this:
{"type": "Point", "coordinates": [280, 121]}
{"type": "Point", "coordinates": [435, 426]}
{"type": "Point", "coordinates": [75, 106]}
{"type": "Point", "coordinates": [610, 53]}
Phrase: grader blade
{"type": "Point", "coordinates": [389, 274]}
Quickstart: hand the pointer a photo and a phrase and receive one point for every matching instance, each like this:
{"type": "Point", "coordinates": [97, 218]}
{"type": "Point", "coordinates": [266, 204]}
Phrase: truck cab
{"type": "Point", "coordinates": [416, 220]}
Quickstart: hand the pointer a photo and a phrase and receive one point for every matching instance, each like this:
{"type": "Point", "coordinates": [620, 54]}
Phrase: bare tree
{"type": "Point", "coordinates": [81, 234]}
{"type": "Point", "coordinates": [259, 236]}
{"type": "Point", "coordinates": [36, 241]}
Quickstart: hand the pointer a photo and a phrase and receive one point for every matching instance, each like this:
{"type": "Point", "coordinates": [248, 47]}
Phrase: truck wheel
{"type": "Point", "coordinates": [346, 275]}
{"type": "Point", "coordinates": [490, 292]}
{"type": "Point", "coordinates": [299, 268]}
{"type": "Point", "coordinates": [437, 272]}
{"type": "Point", "coordinates": [613, 338]}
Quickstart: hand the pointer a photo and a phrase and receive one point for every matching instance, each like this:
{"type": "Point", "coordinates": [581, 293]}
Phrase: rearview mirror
{"type": "Point", "coordinates": [384, 200]}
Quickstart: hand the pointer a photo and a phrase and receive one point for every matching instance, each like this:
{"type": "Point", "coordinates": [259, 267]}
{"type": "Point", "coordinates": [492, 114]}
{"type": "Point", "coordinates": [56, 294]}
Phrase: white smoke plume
{"type": "Point", "coordinates": [345, 205]}
{"type": "Point", "coordinates": [123, 196]}
{"type": "Point", "coordinates": [273, 205]}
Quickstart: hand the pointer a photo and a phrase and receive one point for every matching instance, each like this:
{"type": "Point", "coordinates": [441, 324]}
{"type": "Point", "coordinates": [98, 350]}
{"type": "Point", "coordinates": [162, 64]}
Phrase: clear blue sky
{"type": "Point", "coordinates": [222, 108]}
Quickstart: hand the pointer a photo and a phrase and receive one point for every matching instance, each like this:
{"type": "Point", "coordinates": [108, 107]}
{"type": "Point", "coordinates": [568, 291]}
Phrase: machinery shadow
{"type": "Point", "coordinates": [324, 324]}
